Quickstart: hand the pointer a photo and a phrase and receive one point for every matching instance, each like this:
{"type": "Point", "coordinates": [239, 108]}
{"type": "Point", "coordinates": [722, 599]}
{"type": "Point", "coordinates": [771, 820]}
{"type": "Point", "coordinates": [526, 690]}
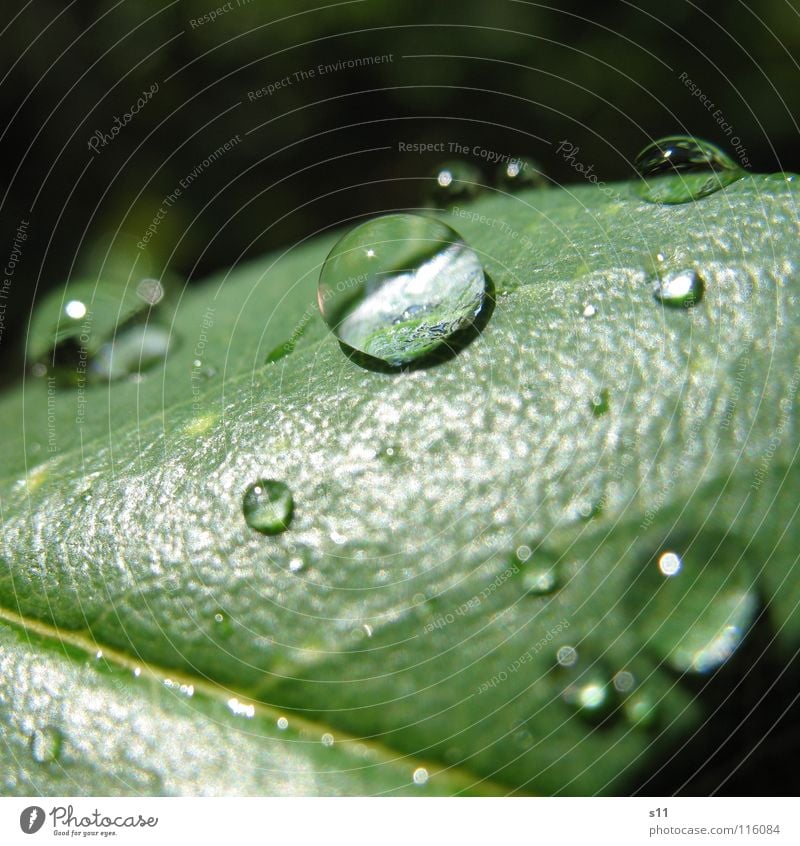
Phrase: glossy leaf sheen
{"type": "Point", "coordinates": [412, 492]}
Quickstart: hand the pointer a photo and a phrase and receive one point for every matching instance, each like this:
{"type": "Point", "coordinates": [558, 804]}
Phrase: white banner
{"type": "Point", "coordinates": [401, 821]}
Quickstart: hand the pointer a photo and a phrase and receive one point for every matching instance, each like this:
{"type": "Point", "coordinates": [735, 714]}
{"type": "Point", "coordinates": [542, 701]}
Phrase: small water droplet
{"type": "Point", "coordinates": [399, 286]}
{"type": "Point", "coordinates": [368, 630]}
{"type": "Point", "coordinates": [420, 776]}
{"type": "Point", "coordinates": [150, 291]}
{"type": "Point", "coordinates": [567, 656]}
{"type": "Point", "coordinates": [282, 723]}
{"type": "Point", "coordinates": [268, 506]}
{"type": "Point", "coordinates": [640, 710]}
{"type": "Point", "coordinates": [133, 350]}
{"type": "Point", "coordinates": [519, 173]}
{"type": "Point", "coordinates": [296, 565]}
{"type": "Point", "coordinates": [523, 552]}
{"type": "Point", "coordinates": [45, 744]}
{"type": "Point", "coordinates": [589, 310]}
{"type": "Point", "coordinates": [699, 601]}
{"type": "Point", "coordinates": [681, 168]}
{"type": "Point", "coordinates": [590, 695]}
{"type": "Point", "coordinates": [624, 681]}
{"type": "Point", "coordinates": [454, 182]}
{"type": "Point", "coordinates": [327, 740]}
{"type": "Point", "coordinates": [599, 403]}
{"type": "Point", "coordinates": [681, 289]}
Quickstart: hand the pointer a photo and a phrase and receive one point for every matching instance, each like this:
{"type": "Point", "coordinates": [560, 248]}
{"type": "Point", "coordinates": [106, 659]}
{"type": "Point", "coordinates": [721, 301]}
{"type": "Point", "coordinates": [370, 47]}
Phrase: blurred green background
{"type": "Point", "coordinates": [508, 77]}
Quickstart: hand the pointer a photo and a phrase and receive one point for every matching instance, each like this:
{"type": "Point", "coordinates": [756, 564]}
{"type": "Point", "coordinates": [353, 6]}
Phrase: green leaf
{"type": "Point", "coordinates": [395, 609]}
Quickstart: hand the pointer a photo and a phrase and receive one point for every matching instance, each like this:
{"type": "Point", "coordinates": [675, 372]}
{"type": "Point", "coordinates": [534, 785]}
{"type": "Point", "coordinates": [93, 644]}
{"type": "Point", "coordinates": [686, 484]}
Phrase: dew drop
{"type": "Point", "coordinates": [519, 173]}
{"type": "Point", "coordinates": [399, 286]}
{"type": "Point", "coordinates": [133, 350]}
{"type": "Point", "coordinates": [267, 506]}
{"type": "Point", "coordinates": [681, 168]}
{"type": "Point", "coordinates": [590, 695]}
{"type": "Point", "coordinates": [624, 681]}
{"type": "Point", "coordinates": [455, 181]}
{"type": "Point", "coordinates": [699, 602]}
{"type": "Point", "coordinates": [599, 403]}
{"type": "Point", "coordinates": [681, 289]}
{"type": "Point", "coordinates": [640, 710]}
{"type": "Point", "coordinates": [589, 310]}
{"type": "Point", "coordinates": [45, 744]}
{"type": "Point", "coordinates": [327, 740]}
{"type": "Point", "coordinates": [420, 776]}
{"type": "Point", "coordinates": [282, 723]}
{"type": "Point", "coordinates": [567, 656]}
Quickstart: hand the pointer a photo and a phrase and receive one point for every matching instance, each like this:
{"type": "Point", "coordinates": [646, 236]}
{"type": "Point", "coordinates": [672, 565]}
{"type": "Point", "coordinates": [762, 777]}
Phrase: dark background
{"type": "Point", "coordinates": [512, 77]}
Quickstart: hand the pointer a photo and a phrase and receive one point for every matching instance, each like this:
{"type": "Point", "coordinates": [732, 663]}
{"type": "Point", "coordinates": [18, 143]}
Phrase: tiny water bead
{"type": "Point", "coordinates": [399, 286]}
{"type": "Point", "coordinates": [681, 168]}
{"type": "Point", "coordinates": [455, 181]}
{"type": "Point", "coordinates": [518, 173]}
{"type": "Point", "coordinates": [599, 403]}
{"type": "Point", "coordinates": [267, 506]}
{"type": "Point", "coordinates": [695, 602]}
{"type": "Point", "coordinates": [45, 744]}
{"type": "Point", "coordinates": [679, 289]}
{"type": "Point", "coordinates": [541, 574]}
{"type": "Point", "coordinates": [420, 776]}
{"type": "Point", "coordinates": [327, 740]}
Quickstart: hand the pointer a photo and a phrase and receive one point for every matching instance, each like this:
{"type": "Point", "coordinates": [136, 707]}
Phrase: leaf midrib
{"type": "Point", "coordinates": [464, 778]}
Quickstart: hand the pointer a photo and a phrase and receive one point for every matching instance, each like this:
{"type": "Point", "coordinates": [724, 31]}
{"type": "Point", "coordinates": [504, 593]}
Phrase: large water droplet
{"type": "Point", "coordinates": [679, 289]}
{"type": "Point", "coordinates": [681, 168]}
{"type": "Point", "coordinates": [696, 602]}
{"type": "Point", "coordinates": [455, 182]}
{"type": "Point", "coordinates": [397, 287]}
{"type": "Point", "coordinates": [420, 776]}
{"type": "Point", "coordinates": [267, 506]}
{"type": "Point", "coordinates": [519, 173]}
{"type": "Point", "coordinates": [46, 744]}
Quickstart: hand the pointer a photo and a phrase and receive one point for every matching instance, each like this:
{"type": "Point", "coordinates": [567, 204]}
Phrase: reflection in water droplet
{"type": "Point", "coordinates": [75, 309]}
{"type": "Point", "coordinates": [682, 289]}
{"type": "Point", "coordinates": [455, 181]}
{"type": "Point", "coordinates": [45, 744]}
{"type": "Point", "coordinates": [589, 310]}
{"type": "Point", "coordinates": [420, 776]}
{"type": "Point", "coordinates": [133, 350]}
{"type": "Point", "coordinates": [541, 580]}
{"type": "Point", "coordinates": [519, 173]}
{"type": "Point", "coordinates": [327, 739]}
{"type": "Point", "coordinates": [681, 168]}
{"type": "Point", "coordinates": [282, 723]}
{"type": "Point", "coordinates": [399, 286]}
{"type": "Point", "coordinates": [267, 506]}
{"type": "Point", "coordinates": [696, 605]}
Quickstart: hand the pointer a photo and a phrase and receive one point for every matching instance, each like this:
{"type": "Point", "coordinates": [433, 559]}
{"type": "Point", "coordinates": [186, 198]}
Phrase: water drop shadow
{"type": "Point", "coordinates": [448, 350]}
